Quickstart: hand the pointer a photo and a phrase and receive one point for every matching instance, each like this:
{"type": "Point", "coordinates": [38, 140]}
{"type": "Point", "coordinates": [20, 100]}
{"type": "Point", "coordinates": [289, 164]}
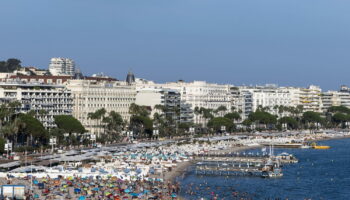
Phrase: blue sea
{"type": "Point", "coordinates": [320, 174]}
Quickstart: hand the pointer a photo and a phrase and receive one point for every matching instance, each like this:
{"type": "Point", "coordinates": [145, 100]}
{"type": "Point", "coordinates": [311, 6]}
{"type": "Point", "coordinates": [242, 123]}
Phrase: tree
{"type": "Point", "coordinates": [183, 128]}
{"type": "Point", "coordinates": [233, 116]}
{"type": "Point", "coordinates": [221, 109]}
{"type": "Point", "coordinates": [140, 122]}
{"type": "Point", "coordinates": [11, 129]}
{"type": "Point", "coordinates": [290, 121]}
{"type": "Point", "coordinates": [135, 109]}
{"type": "Point", "coordinates": [9, 122]}
{"type": "Point", "coordinates": [141, 125]}
{"type": "Point", "coordinates": [247, 122]}
{"type": "Point", "coordinates": [98, 116]}
{"type": "Point", "coordinates": [339, 109]}
{"type": "Point", "coordinates": [32, 129]}
{"type": "Point", "coordinates": [2, 145]}
{"type": "Point", "coordinates": [311, 118]}
{"type": "Point", "coordinates": [262, 117]}
{"type": "Point", "coordinates": [114, 123]}
{"type": "Point", "coordinates": [340, 118]}
{"type": "Point", "coordinates": [10, 65]}
{"type": "Point", "coordinates": [217, 122]}
{"type": "Point", "coordinates": [69, 124]}
{"type": "Point", "coordinates": [263, 109]}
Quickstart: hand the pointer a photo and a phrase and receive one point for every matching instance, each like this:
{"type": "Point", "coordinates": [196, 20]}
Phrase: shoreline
{"type": "Point", "coordinates": [181, 169]}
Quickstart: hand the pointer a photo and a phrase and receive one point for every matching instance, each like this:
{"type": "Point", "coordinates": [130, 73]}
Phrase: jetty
{"type": "Point", "coordinates": [265, 165]}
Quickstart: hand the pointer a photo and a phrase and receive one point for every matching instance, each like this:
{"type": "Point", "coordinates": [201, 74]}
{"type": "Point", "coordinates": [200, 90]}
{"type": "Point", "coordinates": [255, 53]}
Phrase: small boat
{"type": "Point", "coordinates": [315, 146]}
{"type": "Point", "coordinates": [305, 147]}
{"type": "Point", "coordinates": [321, 147]}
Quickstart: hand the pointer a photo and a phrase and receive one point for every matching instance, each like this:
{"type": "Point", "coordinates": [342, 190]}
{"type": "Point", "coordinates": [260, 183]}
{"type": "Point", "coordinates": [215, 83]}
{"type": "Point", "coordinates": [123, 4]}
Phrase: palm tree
{"type": "Point", "coordinates": [11, 130]}
{"type": "Point", "coordinates": [9, 123]}
{"type": "Point", "coordinates": [98, 117]}
{"type": "Point", "coordinates": [113, 124]}
{"type": "Point", "coordinates": [221, 109]}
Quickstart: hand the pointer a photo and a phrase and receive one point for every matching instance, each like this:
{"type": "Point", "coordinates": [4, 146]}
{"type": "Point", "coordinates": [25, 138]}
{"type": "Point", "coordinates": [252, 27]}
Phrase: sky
{"type": "Point", "coordinates": [241, 42]}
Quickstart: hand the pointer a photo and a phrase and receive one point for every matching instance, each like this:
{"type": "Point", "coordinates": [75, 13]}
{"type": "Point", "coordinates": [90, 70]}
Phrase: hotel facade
{"type": "Point", "coordinates": [92, 95]}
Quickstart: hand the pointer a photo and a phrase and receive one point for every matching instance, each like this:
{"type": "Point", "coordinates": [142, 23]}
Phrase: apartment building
{"type": "Point", "coordinates": [310, 98]}
{"type": "Point", "coordinates": [196, 93]}
{"type": "Point", "coordinates": [62, 66]}
{"type": "Point", "coordinates": [46, 100]}
{"type": "Point", "coordinates": [241, 102]}
{"type": "Point", "coordinates": [268, 97]}
{"type": "Point", "coordinates": [335, 98]}
{"type": "Point", "coordinates": [170, 99]}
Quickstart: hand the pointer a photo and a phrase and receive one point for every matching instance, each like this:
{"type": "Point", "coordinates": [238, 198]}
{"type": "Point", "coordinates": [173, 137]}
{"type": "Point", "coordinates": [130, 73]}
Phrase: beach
{"type": "Point", "coordinates": [143, 170]}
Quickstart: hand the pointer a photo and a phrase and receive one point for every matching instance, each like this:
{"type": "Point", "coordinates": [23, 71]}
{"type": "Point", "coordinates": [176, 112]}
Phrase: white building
{"type": "Point", "coordinates": [197, 94]}
{"type": "Point", "coordinates": [310, 98]}
{"type": "Point", "coordinates": [248, 99]}
{"type": "Point", "coordinates": [170, 99]}
{"type": "Point", "coordinates": [335, 98]}
{"type": "Point", "coordinates": [46, 100]}
{"type": "Point", "coordinates": [269, 97]}
{"type": "Point", "coordinates": [91, 95]}
{"type": "Point", "coordinates": [62, 66]}
{"type": "Point", "coordinates": [151, 97]}
{"type": "Point", "coordinates": [241, 102]}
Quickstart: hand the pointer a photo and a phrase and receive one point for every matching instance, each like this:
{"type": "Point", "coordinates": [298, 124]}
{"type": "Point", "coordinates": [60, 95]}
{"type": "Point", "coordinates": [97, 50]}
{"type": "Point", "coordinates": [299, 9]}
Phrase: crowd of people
{"type": "Point", "coordinates": [103, 188]}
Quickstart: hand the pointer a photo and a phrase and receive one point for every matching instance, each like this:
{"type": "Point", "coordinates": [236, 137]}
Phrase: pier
{"type": "Point", "coordinates": [242, 164]}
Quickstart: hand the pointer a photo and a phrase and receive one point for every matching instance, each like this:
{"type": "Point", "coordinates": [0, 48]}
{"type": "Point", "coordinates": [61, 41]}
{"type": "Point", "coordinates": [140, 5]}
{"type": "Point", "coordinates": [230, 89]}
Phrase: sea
{"type": "Point", "coordinates": [319, 174]}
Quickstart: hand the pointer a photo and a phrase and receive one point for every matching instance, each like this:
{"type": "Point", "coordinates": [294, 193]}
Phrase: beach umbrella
{"type": "Point", "coordinates": [134, 194]}
{"type": "Point", "coordinates": [82, 198]}
{"type": "Point", "coordinates": [145, 191]}
{"type": "Point", "coordinates": [127, 191]}
{"type": "Point", "coordinates": [77, 190]}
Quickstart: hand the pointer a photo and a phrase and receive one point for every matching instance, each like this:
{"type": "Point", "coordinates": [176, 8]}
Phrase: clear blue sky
{"type": "Point", "coordinates": [286, 42]}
